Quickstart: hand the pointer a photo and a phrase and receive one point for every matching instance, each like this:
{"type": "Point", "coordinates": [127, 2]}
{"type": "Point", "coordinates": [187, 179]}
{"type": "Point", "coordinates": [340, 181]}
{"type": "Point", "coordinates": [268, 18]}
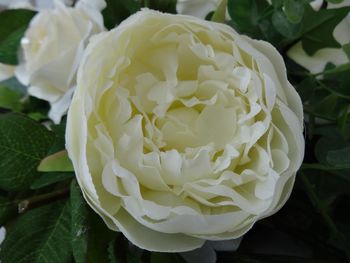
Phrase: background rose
{"type": "Point", "coordinates": [317, 62]}
{"type": "Point", "coordinates": [191, 136]}
{"type": "Point", "coordinates": [52, 49]}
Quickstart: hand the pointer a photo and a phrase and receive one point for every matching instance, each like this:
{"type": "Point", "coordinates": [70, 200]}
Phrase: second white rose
{"type": "Point", "coordinates": [52, 49]}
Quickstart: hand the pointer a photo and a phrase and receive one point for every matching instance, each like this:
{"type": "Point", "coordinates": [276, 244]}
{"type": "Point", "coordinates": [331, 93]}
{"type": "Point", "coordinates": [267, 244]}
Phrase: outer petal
{"type": "Point", "coordinates": [144, 237]}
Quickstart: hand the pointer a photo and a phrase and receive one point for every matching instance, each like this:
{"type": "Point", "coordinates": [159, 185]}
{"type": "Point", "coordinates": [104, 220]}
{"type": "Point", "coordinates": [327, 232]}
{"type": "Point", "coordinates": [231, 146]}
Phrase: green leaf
{"type": "Point", "coordinates": [47, 179]}
{"type": "Point", "coordinates": [10, 99]}
{"type": "Point", "coordinates": [284, 26]}
{"type": "Point", "coordinates": [13, 23]}
{"type": "Point", "coordinates": [306, 88]}
{"type": "Point", "coordinates": [99, 238]}
{"type": "Point", "coordinates": [241, 12]}
{"type": "Point", "coordinates": [11, 94]}
{"type": "Point", "coordinates": [118, 10]}
{"type": "Point", "coordinates": [337, 80]}
{"type": "Point", "coordinates": [40, 235]}
{"type": "Point", "coordinates": [332, 131]}
{"type": "Point", "coordinates": [15, 85]}
{"type": "Point", "coordinates": [340, 157]}
{"type": "Point", "coordinates": [168, 6]}
{"type": "Point", "coordinates": [253, 18]}
{"type": "Point", "coordinates": [326, 104]}
{"type": "Point", "coordinates": [323, 208]}
{"type": "Point", "coordinates": [57, 162]}
{"type": "Point", "coordinates": [294, 10]}
{"type": "Point", "coordinates": [79, 224]}
{"type": "Point", "coordinates": [120, 250]}
{"type": "Point", "coordinates": [346, 49]}
{"type": "Point", "coordinates": [220, 13]}
{"type": "Point", "coordinates": [245, 15]}
{"type": "Point", "coordinates": [23, 144]}
{"type": "Point", "coordinates": [60, 141]}
{"type": "Point", "coordinates": [277, 3]}
{"type": "Point", "coordinates": [329, 144]}
{"type": "Point", "coordinates": [318, 27]}
{"type": "Point", "coordinates": [112, 255]}
{"type": "Point", "coordinates": [35, 108]}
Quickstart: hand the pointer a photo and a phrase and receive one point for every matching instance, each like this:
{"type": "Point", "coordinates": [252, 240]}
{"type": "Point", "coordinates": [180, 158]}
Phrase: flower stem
{"type": "Point", "coordinates": [24, 205]}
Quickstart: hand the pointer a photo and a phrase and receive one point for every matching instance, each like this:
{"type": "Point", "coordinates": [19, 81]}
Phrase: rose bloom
{"type": "Point", "coordinates": [52, 49]}
{"type": "Point", "coordinates": [181, 131]}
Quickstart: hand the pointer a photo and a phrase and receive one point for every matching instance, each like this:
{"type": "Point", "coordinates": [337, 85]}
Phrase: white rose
{"type": "Point", "coordinates": [52, 48]}
{"type": "Point", "coordinates": [317, 62]}
{"type": "Point", "coordinates": [181, 130]}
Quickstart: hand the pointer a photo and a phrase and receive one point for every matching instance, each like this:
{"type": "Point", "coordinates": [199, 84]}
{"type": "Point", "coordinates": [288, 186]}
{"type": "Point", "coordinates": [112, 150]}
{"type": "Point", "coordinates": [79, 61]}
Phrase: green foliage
{"type": "Point", "coordinates": [79, 222]}
{"type": "Point", "coordinates": [11, 95]}
{"type": "Point", "coordinates": [23, 143]}
{"type": "Point", "coordinates": [284, 26]}
{"type": "Point", "coordinates": [247, 14]}
{"type": "Point", "coordinates": [118, 10]}
{"type": "Point", "coordinates": [99, 240]}
{"type": "Point", "coordinates": [10, 99]}
{"type": "Point", "coordinates": [48, 240]}
{"type": "Point", "coordinates": [168, 6]}
{"type": "Point", "coordinates": [13, 25]}
{"type": "Point", "coordinates": [47, 179]}
{"type": "Point", "coordinates": [318, 28]}
{"type": "Point", "coordinates": [294, 10]}
{"type": "Point", "coordinates": [60, 142]}
{"type": "Point", "coordinates": [286, 21]}
{"type": "Point", "coordinates": [346, 49]}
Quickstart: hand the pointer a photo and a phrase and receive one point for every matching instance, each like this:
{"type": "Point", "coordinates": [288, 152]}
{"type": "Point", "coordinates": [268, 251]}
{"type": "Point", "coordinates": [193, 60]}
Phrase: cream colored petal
{"type": "Point", "coordinates": [293, 100]}
{"type": "Point", "coordinates": [150, 240]}
{"type": "Point", "coordinates": [60, 107]}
